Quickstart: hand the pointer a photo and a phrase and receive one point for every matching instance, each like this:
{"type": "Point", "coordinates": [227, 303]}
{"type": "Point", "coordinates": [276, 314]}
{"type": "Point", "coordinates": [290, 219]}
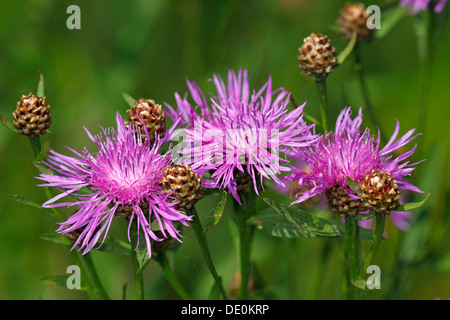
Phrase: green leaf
{"type": "Point", "coordinates": [42, 168]}
{"type": "Point", "coordinates": [412, 205]}
{"type": "Point", "coordinates": [8, 124]}
{"type": "Point", "coordinates": [56, 238]}
{"type": "Point", "coordinates": [348, 49]}
{"type": "Point", "coordinates": [306, 225]}
{"type": "Point", "coordinates": [41, 156]}
{"type": "Point", "coordinates": [24, 201]}
{"type": "Point", "coordinates": [129, 99]}
{"type": "Point", "coordinates": [359, 283]}
{"type": "Point", "coordinates": [214, 292]}
{"type": "Point", "coordinates": [276, 225]}
{"type": "Point", "coordinates": [352, 184]}
{"type": "Point", "coordinates": [58, 280]}
{"type": "Point", "coordinates": [218, 212]}
{"type": "Point", "coordinates": [41, 87]}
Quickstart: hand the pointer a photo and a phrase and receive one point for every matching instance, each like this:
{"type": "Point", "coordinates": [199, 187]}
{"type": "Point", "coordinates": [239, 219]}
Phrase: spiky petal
{"type": "Point", "coordinates": [350, 152]}
{"type": "Point", "coordinates": [240, 131]}
{"type": "Point", "coordinates": [124, 172]}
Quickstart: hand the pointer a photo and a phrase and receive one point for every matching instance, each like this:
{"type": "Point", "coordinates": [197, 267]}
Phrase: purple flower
{"type": "Point", "coordinates": [124, 172]}
{"type": "Point", "coordinates": [240, 131]}
{"type": "Point", "coordinates": [350, 152]}
{"type": "Point", "coordinates": [417, 5]}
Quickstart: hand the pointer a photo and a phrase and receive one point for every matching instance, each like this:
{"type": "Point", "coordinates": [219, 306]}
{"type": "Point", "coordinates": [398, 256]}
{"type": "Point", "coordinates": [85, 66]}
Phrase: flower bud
{"type": "Point", "coordinates": [317, 56]}
{"type": "Point", "coordinates": [150, 114]}
{"type": "Point", "coordinates": [32, 115]}
{"type": "Point", "coordinates": [379, 192]}
{"type": "Point", "coordinates": [354, 18]}
{"type": "Point", "coordinates": [183, 184]}
{"type": "Point", "coordinates": [340, 202]}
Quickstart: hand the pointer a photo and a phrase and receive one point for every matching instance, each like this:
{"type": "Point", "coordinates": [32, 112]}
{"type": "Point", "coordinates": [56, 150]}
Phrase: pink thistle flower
{"type": "Point", "coordinates": [240, 131]}
{"type": "Point", "coordinates": [124, 172]}
{"type": "Point", "coordinates": [418, 5]}
{"type": "Point", "coordinates": [350, 152]}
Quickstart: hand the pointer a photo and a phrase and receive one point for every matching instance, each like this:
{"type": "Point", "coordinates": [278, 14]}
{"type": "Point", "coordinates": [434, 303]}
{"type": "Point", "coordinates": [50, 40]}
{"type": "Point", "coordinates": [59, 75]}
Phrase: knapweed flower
{"type": "Point", "coordinates": [418, 5]}
{"type": "Point", "coordinates": [239, 133]}
{"type": "Point", "coordinates": [123, 176]}
{"type": "Point", "coordinates": [350, 152]}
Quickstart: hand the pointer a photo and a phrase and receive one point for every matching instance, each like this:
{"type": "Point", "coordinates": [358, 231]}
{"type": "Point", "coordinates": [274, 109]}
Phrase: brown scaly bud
{"type": "Point", "coordinates": [354, 18]}
{"type": "Point", "coordinates": [340, 202]}
{"type": "Point", "coordinates": [149, 113]}
{"type": "Point", "coordinates": [183, 184]}
{"type": "Point", "coordinates": [243, 180]}
{"type": "Point", "coordinates": [317, 56]}
{"type": "Point", "coordinates": [32, 116]}
{"type": "Point", "coordinates": [379, 192]}
{"type": "Point", "coordinates": [125, 211]}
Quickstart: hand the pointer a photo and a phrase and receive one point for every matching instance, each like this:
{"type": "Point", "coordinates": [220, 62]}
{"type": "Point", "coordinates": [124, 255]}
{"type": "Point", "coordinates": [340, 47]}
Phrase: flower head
{"type": "Point", "coordinates": [418, 5]}
{"type": "Point", "coordinates": [124, 172]}
{"type": "Point", "coordinates": [239, 133]}
{"type": "Point", "coordinates": [350, 152]}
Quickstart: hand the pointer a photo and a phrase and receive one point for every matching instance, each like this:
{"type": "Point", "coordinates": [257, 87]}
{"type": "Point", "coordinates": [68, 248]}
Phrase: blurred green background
{"type": "Point", "coordinates": [147, 48]}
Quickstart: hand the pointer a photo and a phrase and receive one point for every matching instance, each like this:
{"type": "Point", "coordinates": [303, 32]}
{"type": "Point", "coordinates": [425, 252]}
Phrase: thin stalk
{"type": "Point", "coordinates": [243, 213]}
{"type": "Point", "coordinates": [138, 277]}
{"type": "Point", "coordinates": [363, 85]}
{"type": "Point", "coordinates": [321, 86]}
{"type": "Point", "coordinates": [35, 142]}
{"type": "Point", "coordinates": [163, 261]}
{"type": "Point", "coordinates": [95, 277]}
{"type": "Point", "coordinates": [203, 243]}
{"type": "Point", "coordinates": [379, 229]}
{"type": "Point", "coordinates": [306, 116]}
{"type": "Point", "coordinates": [351, 235]}
{"type": "Point", "coordinates": [36, 146]}
{"type": "Point", "coordinates": [89, 287]}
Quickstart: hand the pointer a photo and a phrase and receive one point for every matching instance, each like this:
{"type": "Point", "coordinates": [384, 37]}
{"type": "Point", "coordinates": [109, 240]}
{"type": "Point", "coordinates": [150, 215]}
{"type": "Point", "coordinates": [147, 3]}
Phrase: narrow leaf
{"type": "Point", "coordinates": [24, 201]}
{"type": "Point", "coordinates": [359, 283]}
{"type": "Point", "coordinates": [41, 87]}
{"type": "Point", "coordinates": [307, 225]}
{"type": "Point", "coordinates": [44, 150]}
{"type": "Point", "coordinates": [8, 124]}
{"type": "Point", "coordinates": [58, 280]}
{"type": "Point", "coordinates": [412, 205]}
{"type": "Point", "coordinates": [56, 238]}
{"type": "Point", "coordinates": [352, 184]}
{"type": "Point", "coordinates": [348, 49]}
{"type": "Point", "coordinates": [218, 212]}
{"type": "Point", "coordinates": [129, 99]}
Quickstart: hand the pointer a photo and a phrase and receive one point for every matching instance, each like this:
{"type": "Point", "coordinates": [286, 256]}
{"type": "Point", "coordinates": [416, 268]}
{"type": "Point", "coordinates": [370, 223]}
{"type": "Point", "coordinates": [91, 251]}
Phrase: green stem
{"type": "Point", "coordinates": [363, 85]}
{"type": "Point", "coordinates": [35, 142]}
{"type": "Point", "coordinates": [36, 146]}
{"type": "Point", "coordinates": [163, 261]}
{"type": "Point", "coordinates": [202, 241]}
{"type": "Point", "coordinates": [89, 287]}
{"type": "Point", "coordinates": [321, 86]}
{"type": "Point", "coordinates": [95, 277]}
{"type": "Point", "coordinates": [243, 213]}
{"type": "Point", "coordinates": [138, 277]}
{"type": "Point", "coordinates": [352, 237]}
{"type": "Point", "coordinates": [379, 229]}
